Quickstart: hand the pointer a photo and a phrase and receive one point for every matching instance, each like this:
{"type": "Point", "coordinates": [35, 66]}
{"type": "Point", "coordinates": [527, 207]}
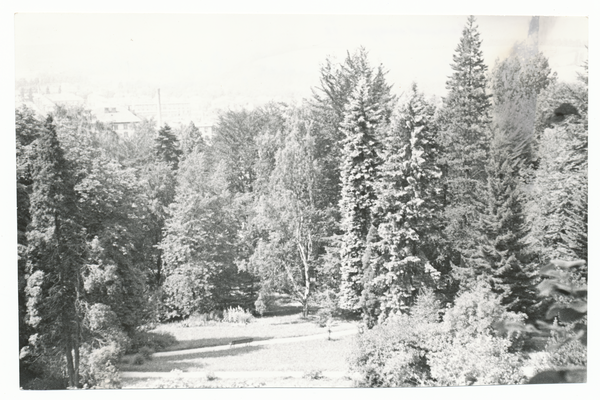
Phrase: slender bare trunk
{"type": "Point", "coordinates": [70, 367]}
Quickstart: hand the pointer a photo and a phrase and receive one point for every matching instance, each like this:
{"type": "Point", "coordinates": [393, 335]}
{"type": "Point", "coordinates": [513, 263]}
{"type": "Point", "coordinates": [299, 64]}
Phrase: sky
{"type": "Point", "coordinates": [272, 55]}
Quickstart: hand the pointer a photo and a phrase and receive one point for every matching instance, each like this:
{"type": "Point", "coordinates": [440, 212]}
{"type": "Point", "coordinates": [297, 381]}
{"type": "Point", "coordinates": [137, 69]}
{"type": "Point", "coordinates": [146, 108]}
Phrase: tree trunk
{"type": "Point", "coordinates": [305, 308]}
{"type": "Point", "coordinates": [70, 368]}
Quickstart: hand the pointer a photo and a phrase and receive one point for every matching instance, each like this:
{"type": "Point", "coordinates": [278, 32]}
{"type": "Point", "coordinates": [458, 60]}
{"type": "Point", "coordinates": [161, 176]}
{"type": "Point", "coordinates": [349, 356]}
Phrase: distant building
{"type": "Point", "coordinates": [47, 102]}
{"type": "Point", "coordinates": [205, 129]}
{"type": "Point", "coordinates": [120, 120]}
{"type": "Point", "coordinates": [170, 113]}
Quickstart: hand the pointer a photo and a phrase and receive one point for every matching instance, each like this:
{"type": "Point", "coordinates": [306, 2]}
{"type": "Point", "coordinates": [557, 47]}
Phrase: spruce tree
{"type": "Point", "coordinates": [503, 257]}
{"type": "Point", "coordinates": [166, 146]}
{"type": "Point", "coordinates": [407, 208]}
{"type": "Point", "coordinates": [55, 256]}
{"type": "Point", "coordinates": [465, 121]}
{"type": "Point", "coordinates": [359, 166]}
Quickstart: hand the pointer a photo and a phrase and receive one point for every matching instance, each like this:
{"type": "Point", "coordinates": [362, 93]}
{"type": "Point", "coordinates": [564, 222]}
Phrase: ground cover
{"type": "Point", "coordinates": [318, 362]}
{"type": "Point", "coordinates": [320, 354]}
{"type": "Point", "coordinates": [176, 380]}
{"type": "Point", "coordinates": [283, 320]}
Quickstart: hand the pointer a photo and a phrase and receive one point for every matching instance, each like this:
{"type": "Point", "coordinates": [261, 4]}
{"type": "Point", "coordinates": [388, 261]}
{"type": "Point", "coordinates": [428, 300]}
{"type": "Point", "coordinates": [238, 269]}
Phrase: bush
{"type": "Point", "coordinates": [98, 367]}
{"type": "Point", "coordinates": [210, 376]}
{"type": "Point", "coordinates": [146, 352]}
{"type": "Point", "coordinates": [237, 315]}
{"type": "Point", "coordinates": [327, 302]}
{"type": "Point", "coordinates": [263, 303]}
{"type": "Point", "coordinates": [156, 341]}
{"type": "Point", "coordinates": [418, 349]}
{"type": "Point", "coordinates": [393, 354]}
{"type": "Point", "coordinates": [138, 359]}
{"type": "Point", "coordinates": [314, 374]}
{"type": "Point", "coordinates": [564, 352]}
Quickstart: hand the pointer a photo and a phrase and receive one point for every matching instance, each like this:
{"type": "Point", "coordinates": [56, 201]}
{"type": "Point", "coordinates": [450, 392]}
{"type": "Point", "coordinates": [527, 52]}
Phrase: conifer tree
{"type": "Point", "coordinates": [55, 256]}
{"type": "Point", "coordinates": [360, 161]}
{"type": "Point", "coordinates": [503, 257]}
{"type": "Point", "coordinates": [407, 208]}
{"type": "Point", "coordinates": [465, 121]}
{"type": "Point", "coordinates": [337, 83]}
{"type": "Point", "coordinates": [167, 146]}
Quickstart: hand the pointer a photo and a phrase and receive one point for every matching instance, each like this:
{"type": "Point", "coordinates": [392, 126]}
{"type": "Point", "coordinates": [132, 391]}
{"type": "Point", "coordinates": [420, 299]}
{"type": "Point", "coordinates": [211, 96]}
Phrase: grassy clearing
{"type": "Point", "coordinates": [324, 355]}
{"type": "Point", "coordinates": [284, 382]}
{"type": "Point", "coordinates": [274, 360]}
{"type": "Point", "coordinates": [217, 334]}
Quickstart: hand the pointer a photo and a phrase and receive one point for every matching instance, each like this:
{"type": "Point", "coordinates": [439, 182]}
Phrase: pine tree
{"type": "Point", "coordinates": [167, 146]}
{"type": "Point", "coordinates": [465, 121]}
{"type": "Point", "coordinates": [55, 255]}
{"type": "Point", "coordinates": [192, 139]}
{"type": "Point", "coordinates": [503, 257]}
{"type": "Point", "coordinates": [558, 206]}
{"type": "Point", "coordinates": [516, 83]}
{"type": "Point", "coordinates": [408, 207]}
{"type": "Point", "coordinates": [337, 83]}
{"type": "Point", "coordinates": [360, 161]}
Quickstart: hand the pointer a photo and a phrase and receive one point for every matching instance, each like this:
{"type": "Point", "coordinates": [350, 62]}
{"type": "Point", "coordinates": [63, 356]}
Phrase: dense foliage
{"type": "Point", "coordinates": [429, 223]}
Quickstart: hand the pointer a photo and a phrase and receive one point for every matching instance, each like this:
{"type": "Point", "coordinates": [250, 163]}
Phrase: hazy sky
{"type": "Point", "coordinates": [273, 55]}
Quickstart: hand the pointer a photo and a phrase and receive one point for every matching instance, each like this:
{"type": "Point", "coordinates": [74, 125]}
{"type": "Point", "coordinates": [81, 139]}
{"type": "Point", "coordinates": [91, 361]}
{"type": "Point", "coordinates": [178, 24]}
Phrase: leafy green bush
{"type": "Point", "coordinates": [237, 315]}
{"type": "Point", "coordinates": [263, 303]}
{"type": "Point", "coordinates": [327, 301]}
{"type": "Point", "coordinates": [156, 341]}
{"type": "Point", "coordinates": [210, 376]}
{"type": "Point", "coordinates": [394, 354]}
{"type": "Point", "coordinates": [98, 366]}
{"type": "Point", "coordinates": [566, 351]}
{"type": "Point", "coordinates": [314, 374]}
{"type": "Point", "coordinates": [138, 359]}
{"type": "Point", "coordinates": [418, 349]}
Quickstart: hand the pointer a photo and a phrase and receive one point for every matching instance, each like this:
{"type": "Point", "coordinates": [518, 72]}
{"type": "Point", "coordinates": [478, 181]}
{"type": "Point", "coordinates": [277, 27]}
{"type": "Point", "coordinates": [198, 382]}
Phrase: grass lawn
{"type": "Point", "coordinates": [272, 327]}
{"type": "Point", "coordinates": [302, 360]}
{"type": "Point", "coordinates": [281, 382]}
{"type": "Point", "coordinates": [324, 355]}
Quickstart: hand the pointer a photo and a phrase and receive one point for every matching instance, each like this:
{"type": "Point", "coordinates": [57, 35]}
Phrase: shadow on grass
{"type": "Point", "coordinates": [209, 342]}
{"type": "Point", "coordinates": [186, 362]}
{"type": "Point", "coordinates": [283, 310]}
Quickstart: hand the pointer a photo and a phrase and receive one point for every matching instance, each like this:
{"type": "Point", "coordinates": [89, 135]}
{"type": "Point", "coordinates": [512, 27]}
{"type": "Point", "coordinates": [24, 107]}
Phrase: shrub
{"type": "Point", "coordinates": [98, 366]}
{"type": "Point", "coordinates": [418, 349]}
{"type": "Point", "coordinates": [327, 301]}
{"type": "Point", "coordinates": [314, 374]}
{"type": "Point", "coordinates": [146, 352]}
{"type": "Point", "coordinates": [138, 359]}
{"type": "Point", "coordinates": [156, 341]}
{"type": "Point", "coordinates": [566, 353]}
{"type": "Point", "coordinates": [394, 353]}
{"type": "Point", "coordinates": [237, 315]}
{"type": "Point", "coordinates": [263, 303]}
{"type": "Point", "coordinates": [210, 376]}
{"type": "Point", "coordinates": [483, 360]}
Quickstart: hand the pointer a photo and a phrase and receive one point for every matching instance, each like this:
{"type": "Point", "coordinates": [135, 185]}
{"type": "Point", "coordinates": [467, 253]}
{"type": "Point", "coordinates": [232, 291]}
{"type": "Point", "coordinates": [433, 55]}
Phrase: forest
{"type": "Point", "coordinates": [454, 231]}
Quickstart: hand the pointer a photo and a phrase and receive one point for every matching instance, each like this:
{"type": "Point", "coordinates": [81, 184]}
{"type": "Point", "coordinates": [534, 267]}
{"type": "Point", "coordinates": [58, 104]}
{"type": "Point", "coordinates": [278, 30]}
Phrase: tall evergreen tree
{"type": "Point", "coordinates": [558, 206]}
{"type": "Point", "coordinates": [465, 121]}
{"type": "Point", "coordinates": [166, 146]}
{"type": "Point", "coordinates": [516, 83]}
{"type": "Point", "coordinates": [27, 130]}
{"type": "Point", "coordinates": [55, 256]}
{"type": "Point", "coordinates": [337, 83]}
{"type": "Point", "coordinates": [191, 139]}
{"type": "Point", "coordinates": [503, 257]}
{"type": "Point", "coordinates": [408, 208]}
{"type": "Point", "coordinates": [360, 161]}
